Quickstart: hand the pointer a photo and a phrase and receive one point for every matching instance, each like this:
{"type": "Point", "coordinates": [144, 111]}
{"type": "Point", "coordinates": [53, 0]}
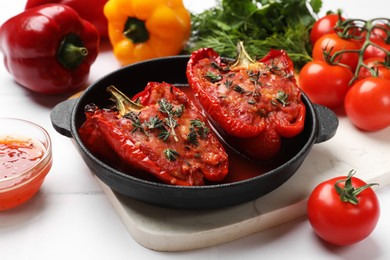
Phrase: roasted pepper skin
{"type": "Point", "coordinates": [125, 142]}
{"type": "Point", "coordinates": [256, 138]}
{"type": "Point", "coordinates": [90, 10]}
{"type": "Point", "coordinates": [145, 29]}
{"type": "Point", "coordinates": [49, 49]}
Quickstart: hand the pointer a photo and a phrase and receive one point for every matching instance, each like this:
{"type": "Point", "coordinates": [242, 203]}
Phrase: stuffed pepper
{"type": "Point", "coordinates": [159, 131]}
{"type": "Point", "coordinates": [252, 104]}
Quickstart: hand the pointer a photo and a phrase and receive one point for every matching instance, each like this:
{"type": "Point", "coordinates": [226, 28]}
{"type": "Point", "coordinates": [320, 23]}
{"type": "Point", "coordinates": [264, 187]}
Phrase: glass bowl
{"type": "Point", "coordinates": [25, 160]}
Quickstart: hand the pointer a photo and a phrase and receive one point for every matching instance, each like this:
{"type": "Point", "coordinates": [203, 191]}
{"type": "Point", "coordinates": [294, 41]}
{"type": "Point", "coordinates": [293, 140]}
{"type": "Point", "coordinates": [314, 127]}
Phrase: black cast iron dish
{"type": "Point", "coordinates": [320, 125]}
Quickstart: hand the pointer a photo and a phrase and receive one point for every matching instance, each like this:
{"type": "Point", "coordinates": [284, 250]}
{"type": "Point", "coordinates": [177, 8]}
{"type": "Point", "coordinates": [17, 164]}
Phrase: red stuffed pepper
{"type": "Point", "coordinates": [90, 10]}
{"type": "Point", "coordinates": [253, 104]}
{"type": "Point", "coordinates": [49, 49]}
{"type": "Point", "coordinates": [163, 134]}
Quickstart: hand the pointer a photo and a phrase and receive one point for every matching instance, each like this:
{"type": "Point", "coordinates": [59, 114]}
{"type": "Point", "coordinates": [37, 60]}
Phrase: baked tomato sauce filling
{"type": "Point", "coordinates": [253, 103]}
{"type": "Point", "coordinates": [162, 132]}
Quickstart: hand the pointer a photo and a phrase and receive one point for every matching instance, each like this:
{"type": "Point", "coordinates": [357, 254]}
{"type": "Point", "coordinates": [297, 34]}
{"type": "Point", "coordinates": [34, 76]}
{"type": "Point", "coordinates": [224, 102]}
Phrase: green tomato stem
{"type": "Point", "coordinates": [352, 25]}
{"type": "Point", "coordinates": [349, 193]}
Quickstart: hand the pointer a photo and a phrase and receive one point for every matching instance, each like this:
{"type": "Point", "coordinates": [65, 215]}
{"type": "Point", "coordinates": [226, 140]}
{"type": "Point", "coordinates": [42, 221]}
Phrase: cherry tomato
{"type": "Point", "coordinates": [325, 84]}
{"type": "Point", "coordinates": [377, 64]}
{"type": "Point", "coordinates": [374, 52]}
{"type": "Point", "coordinates": [378, 36]}
{"type": "Point", "coordinates": [379, 33]}
{"type": "Point", "coordinates": [367, 104]}
{"type": "Point", "coordinates": [324, 26]}
{"type": "Point", "coordinates": [342, 222]}
{"type": "Point", "coordinates": [332, 43]}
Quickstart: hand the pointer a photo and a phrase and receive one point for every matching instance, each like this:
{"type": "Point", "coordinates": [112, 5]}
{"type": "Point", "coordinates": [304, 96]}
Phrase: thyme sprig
{"type": "Point", "coordinates": [136, 122]}
{"type": "Point", "coordinates": [170, 121]}
{"type": "Point", "coordinates": [254, 95]}
{"type": "Point", "coordinates": [212, 77]}
{"type": "Point", "coordinates": [198, 129]}
{"type": "Point", "coordinates": [281, 97]}
{"type": "Point", "coordinates": [154, 123]}
{"type": "Point", "coordinates": [171, 154]}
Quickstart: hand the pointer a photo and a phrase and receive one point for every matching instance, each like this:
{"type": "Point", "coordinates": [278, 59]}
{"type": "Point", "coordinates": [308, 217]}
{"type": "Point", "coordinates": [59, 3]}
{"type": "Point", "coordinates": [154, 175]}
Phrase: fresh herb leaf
{"type": "Point", "coordinates": [154, 122]}
{"type": "Point", "coordinates": [168, 109]}
{"type": "Point", "coordinates": [164, 134]}
{"type": "Point", "coordinates": [315, 5]}
{"type": "Point", "coordinates": [197, 129]}
{"type": "Point", "coordinates": [201, 129]}
{"type": "Point", "coordinates": [192, 137]}
{"type": "Point", "coordinates": [171, 154]}
{"type": "Point", "coordinates": [136, 123]}
{"type": "Point", "coordinates": [282, 97]}
{"type": "Point", "coordinates": [212, 77]}
{"type": "Point", "coordinates": [232, 21]}
{"type": "Point", "coordinates": [239, 89]}
{"type": "Point", "coordinates": [228, 83]}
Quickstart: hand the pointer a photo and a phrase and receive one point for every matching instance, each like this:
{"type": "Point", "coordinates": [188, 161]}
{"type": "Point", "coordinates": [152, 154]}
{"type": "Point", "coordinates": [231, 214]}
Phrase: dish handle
{"type": "Point", "coordinates": [328, 123]}
{"type": "Point", "coordinates": [61, 116]}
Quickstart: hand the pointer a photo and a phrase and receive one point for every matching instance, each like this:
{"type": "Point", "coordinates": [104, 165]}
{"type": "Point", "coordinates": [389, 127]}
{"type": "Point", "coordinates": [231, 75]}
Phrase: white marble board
{"type": "Point", "coordinates": [164, 229]}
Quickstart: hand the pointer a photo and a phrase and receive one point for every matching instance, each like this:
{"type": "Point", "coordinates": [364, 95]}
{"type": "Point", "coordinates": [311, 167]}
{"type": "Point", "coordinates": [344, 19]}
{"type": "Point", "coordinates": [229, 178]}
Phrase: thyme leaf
{"type": "Point", "coordinates": [228, 83]}
{"type": "Point", "coordinates": [197, 129]}
{"type": "Point", "coordinates": [213, 77]}
{"type": "Point", "coordinates": [136, 122]}
{"type": "Point", "coordinates": [171, 154]}
{"type": "Point", "coordinates": [282, 97]}
{"type": "Point", "coordinates": [171, 112]}
{"type": "Point", "coordinates": [154, 122]}
{"type": "Point", "coordinates": [192, 137]}
{"type": "Point", "coordinates": [164, 134]}
{"type": "Point", "coordinates": [239, 89]}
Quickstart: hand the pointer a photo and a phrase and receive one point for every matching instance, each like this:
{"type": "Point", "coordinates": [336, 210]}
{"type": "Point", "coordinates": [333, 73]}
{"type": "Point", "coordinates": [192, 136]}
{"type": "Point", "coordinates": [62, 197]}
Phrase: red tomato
{"type": "Point", "coordinates": [367, 104]}
{"type": "Point", "coordinates": [338, 222]}
{"type": "Point", "coordinates": [325, 84]}
{"type": "Point", "coordinates": [324, 26]}
{"type": "Point", "coordinates": [378, 36]}
{"type": "Point", "coordinates": [377, 64]}
{"type": "Point", "coordinates": [380, 32]}
{"type": "Point", "coordinates": [332, 43]}
{"type": "Point", "coordinates": [374, 52]}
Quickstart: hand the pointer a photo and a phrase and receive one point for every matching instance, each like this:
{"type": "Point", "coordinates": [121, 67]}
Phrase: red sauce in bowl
{"type": "Point", "coordinates": [18, 156]}
{"type": "Point", "coordinates": [24, 164]}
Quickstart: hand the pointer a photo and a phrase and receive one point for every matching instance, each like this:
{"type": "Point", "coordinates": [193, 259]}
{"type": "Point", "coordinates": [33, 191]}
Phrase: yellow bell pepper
{"type": "Point", "coordinates": [145, 29]}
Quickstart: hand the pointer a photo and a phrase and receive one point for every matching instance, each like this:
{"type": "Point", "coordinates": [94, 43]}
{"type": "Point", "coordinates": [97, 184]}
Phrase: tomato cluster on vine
{"type": "Point", "coordinates": [351, 69]}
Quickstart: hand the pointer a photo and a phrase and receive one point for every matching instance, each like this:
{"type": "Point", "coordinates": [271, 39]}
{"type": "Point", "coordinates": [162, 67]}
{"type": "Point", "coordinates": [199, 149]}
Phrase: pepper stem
{"type": "Point", "coordinates": [71, 52]}
{"type": "Point", "coordinates": [135, 30]}
{"type": "Point", "coordinates": [243, 58]}
{"type": "Point", "coordinates": [124, 103]}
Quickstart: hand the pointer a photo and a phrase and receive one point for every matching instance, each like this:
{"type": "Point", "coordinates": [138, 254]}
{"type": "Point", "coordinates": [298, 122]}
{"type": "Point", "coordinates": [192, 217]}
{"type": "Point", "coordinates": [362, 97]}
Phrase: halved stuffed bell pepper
{"type": "Point", "coordinates": [252, 104]}
{"type": "Point", "coordinates": [160, 132]}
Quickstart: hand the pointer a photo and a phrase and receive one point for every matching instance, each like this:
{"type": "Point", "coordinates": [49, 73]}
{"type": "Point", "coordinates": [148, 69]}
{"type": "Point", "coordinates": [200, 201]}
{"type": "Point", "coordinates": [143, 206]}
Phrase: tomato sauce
{"type": "Point", "coordinates": [21, 173]}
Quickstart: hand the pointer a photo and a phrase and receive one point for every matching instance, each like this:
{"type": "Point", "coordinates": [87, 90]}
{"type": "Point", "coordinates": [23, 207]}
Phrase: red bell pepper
{"type": "Point", "coordinates": [49, 49]}
{"type": "Point", "coordinates": [90, 10]}
{"type": "Point", "coordinates": [163, 134]}
{"type": "Point", "coordinates": [253, 104]}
